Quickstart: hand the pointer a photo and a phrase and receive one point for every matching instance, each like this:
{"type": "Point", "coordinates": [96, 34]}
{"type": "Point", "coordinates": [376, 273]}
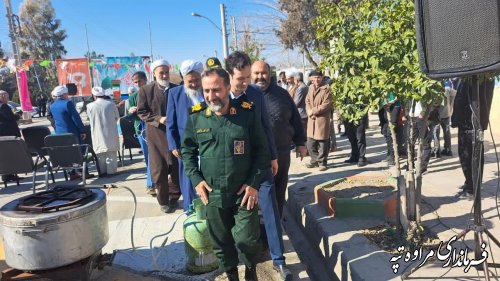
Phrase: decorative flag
{"type": "Point", "coordinates": [24, 93]}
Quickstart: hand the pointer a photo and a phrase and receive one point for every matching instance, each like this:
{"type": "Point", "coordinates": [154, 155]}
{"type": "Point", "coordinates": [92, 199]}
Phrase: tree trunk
{"type": "Point", "coordinates": [309, 57]}
{"type": "Point", "coordinates": [402, 221]}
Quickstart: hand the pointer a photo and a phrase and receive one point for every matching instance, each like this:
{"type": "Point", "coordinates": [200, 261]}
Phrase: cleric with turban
{"type": "Point", "coordinates": [180, 101]}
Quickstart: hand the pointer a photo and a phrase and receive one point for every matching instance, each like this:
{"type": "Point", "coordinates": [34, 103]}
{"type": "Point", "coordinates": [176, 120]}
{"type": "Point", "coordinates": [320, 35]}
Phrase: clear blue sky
{"type": "Point", "coordinates": [119, 27]}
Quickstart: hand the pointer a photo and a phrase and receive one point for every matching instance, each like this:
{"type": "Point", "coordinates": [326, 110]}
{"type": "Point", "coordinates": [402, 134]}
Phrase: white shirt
{"type": "Point", "coordinates": [103, 116]}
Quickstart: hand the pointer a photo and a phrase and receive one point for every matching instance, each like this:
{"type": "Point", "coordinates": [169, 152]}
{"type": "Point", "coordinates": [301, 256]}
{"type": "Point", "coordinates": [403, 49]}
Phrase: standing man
{"type": "Point", "coordinates": [285, 123]}
{"type": "Point", "coordinates": [238, 65]}
{"type": "Point", "coordinates": [356, 133]}
{"type": "Point", "coordinates": [282, 80]}
{"type": "Point", "coordinates": [180, 100]}
{"type": "Point", "coordinates": [140, 79]}
{"type": "Point", "coordinates": [229, 141]}
{"type": "Point", "coordinates": [299, 98]}
{"type": "Point", "coordinates": [41, 103]}
{"type": "Point", "coordinates": [103, 116]}
{"type": "Point", "coordinates": [151, 108]}
{"type": "Point", "coordinates": [318, 108]}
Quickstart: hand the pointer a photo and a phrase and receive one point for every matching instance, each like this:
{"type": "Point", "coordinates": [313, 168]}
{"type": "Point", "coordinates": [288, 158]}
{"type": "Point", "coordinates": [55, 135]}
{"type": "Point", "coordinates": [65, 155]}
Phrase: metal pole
{"type": "Point", "coordinates": [13, 39]}
{"type": "Point", "coordinates": [88, 56]}
{"type": "Point", "coordinates": [150, 41]}
{"type": "Point", "coordinates": [224, 33]}
{"type": "Point", "coordinates": [234, 35]}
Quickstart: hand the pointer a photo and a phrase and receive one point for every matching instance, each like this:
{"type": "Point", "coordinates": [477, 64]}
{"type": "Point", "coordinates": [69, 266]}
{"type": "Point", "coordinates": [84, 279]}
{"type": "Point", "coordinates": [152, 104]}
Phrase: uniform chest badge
{"type": "Point", "coordinates": [246, 105]}
{"type": "Point", "coordinates": [239, 147]}
{"type": "Point", "coordinates": [232, 111]}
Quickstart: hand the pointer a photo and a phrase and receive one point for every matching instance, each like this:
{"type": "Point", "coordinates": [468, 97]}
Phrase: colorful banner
{"type": "Point", "coordinates": [24, 93]}
{"type": "Point", "coordinates": [118, 68]}
{"type": "Point", "coordinates": [75, 71]}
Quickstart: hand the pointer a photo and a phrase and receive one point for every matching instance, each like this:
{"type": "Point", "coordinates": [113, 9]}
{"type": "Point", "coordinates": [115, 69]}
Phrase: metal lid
{"type": "Point", "coordinates": [11, 215]}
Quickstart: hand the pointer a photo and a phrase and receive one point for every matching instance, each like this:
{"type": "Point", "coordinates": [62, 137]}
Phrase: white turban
{"type": "Point", "coordinates": [59, 91]}
{"type": "Point", "coordinates": [189, 65]}
{"type": "Point", "coordinates": [98, 92]}
{"type": "Point", "coordinates": [157, 63]}
{"type": "Point", "coordinates": [131, 89]}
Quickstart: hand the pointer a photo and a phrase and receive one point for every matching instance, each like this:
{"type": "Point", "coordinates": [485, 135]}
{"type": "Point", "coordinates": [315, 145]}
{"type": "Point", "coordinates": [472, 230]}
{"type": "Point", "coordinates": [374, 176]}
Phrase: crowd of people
{"type": "Point", "coordinates": [225, 136]}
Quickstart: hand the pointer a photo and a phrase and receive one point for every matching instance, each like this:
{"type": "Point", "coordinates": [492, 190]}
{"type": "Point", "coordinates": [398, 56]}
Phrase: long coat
{"type": "Point", "coordinates": [178, 107]}
{"type": "Point", "coordinates": [103, 116]}
{"type": "Point", "coordinates": [66, 118]}
{"type": "Point", "coordinates": [318, 108]}
{"type": "Point", "coordinates": [8, 122]}
{"type": "Point", "coordinates": [151, 107]}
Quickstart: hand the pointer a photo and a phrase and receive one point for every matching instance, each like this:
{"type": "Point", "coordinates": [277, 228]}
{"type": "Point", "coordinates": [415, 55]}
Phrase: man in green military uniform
{"type": "Point", "coordinates": [232, 148]}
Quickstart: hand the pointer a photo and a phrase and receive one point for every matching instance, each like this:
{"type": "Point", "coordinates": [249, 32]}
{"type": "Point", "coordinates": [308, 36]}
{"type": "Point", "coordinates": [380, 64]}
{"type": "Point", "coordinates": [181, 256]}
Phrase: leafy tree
{"type": "Point", "coordinates": [94, 55]}
{"type": "Point", "coordinates": [373, 49]}
{"type": "Point", "coordinates": [249, 44]}
{"type": "Point", "coordinates": [41, 39]}
{"type": "Point", "coordinates": [297, 29]}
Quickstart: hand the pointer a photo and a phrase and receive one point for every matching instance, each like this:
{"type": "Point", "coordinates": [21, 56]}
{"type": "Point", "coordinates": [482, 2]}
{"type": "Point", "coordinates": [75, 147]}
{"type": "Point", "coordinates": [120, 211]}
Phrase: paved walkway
{"type": "Point", "coordinates": [348, 254]}
{"type": "Point", "coordinates": [169, 261]}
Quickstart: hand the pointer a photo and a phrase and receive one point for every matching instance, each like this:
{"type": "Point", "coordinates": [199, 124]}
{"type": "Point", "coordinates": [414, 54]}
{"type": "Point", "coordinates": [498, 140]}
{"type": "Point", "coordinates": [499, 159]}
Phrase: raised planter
{"type": "Point", "coordinates": [383, 208]}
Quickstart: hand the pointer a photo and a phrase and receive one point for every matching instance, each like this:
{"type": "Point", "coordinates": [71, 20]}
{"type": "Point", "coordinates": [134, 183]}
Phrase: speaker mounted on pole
{"type": "Point", "coordinates": [458, 37]}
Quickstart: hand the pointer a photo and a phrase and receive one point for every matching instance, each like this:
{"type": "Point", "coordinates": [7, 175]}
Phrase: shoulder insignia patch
{"type": "Point", "coordinates": [198, 107]}
{"type": "Point", "coordinates": [247, 105]}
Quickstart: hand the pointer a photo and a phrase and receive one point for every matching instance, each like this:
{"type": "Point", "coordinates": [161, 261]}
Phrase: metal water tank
{"type": "Point", "coordinates": [54, 228]}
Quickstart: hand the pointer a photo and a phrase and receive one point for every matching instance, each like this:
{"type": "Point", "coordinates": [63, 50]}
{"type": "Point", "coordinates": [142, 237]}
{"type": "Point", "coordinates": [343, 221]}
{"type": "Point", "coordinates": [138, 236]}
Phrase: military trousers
{"type": "Point", "coordinates": [232, 229]}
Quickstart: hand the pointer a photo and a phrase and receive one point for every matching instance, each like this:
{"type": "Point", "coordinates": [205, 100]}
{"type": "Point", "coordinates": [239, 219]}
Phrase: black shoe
{"type": "Point", "coordinates": [351, 160]}
{"type": "Point", "coordinates": [171, 207]}
{"type": "Point", "coordinates": [285, 273]}
{"type": "Point", "coordinates": [446, 152]}
{"type": "Point", "coordinates": [362, 162]}
{"type": "Point", "coordinates": [437, 154]}
{"type": "Point", "coordinates": [232, 274]}
{"type": "Point", "coordinates": [433, 154]}
{"type": "Point", "coordinates": [311, 165]}
{"type": "Point", "coordinates": [251, 273]}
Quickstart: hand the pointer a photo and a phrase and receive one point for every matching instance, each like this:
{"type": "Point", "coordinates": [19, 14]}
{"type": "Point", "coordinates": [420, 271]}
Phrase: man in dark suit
{"type": "Point", "coordinates": [238, 65]}
{"type": "Point", "coordinates": [151, 108]}
{"type": "Point", "coordinates": [180, 101]}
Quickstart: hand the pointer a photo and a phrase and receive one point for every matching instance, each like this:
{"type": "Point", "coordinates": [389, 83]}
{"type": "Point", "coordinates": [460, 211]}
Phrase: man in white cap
{"type": "Point", "coordinates": [103, 116]}
{"type": "Point", "coordinates": [180, 101]}
{"type": "Point", "coordinates": [151, 108]}
{"type": "Point", "coordinates": [66, 118]}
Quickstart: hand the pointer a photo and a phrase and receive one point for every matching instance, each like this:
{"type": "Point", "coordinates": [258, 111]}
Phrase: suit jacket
{"type": "Point", "coordinates": [178, 108]}
{"type": "Point", "coordinates": [255, 95]}
{"type": "Point", "coordinates": [319, 108]}
{"type": "Point", "coordinates": [151, 107]}
{"type": "Point", "coordinates": [66, 118]}
{"type": "Point", "coordinates": [8, 122]}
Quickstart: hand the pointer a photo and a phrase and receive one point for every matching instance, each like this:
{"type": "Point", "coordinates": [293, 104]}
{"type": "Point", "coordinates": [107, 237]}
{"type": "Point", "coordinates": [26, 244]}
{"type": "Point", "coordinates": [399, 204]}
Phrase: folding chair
{"type": "Point", "coordinates": [128, 135]}
{"type": "Point", "coordinates": [34, 136]}
{"type": "Point", "coordinates": [16, 158]}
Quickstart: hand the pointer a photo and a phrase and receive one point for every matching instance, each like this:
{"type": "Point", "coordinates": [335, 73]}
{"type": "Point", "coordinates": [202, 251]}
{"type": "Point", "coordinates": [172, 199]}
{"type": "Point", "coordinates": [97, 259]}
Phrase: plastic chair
{"type": "Point", "coordinates": [128, 135]}
{"type": "Point", "coordinates": [16, 158]}
{"type": "Point", "coordinates": [34, 136]}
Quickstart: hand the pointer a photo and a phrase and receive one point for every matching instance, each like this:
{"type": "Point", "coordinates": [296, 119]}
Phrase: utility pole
{"type": "Point", "coordinates": [224, 32]}
{"type": "Point", "coordinates": [234, 35]}
{"type": "Point", "coordinates": [13, 33]}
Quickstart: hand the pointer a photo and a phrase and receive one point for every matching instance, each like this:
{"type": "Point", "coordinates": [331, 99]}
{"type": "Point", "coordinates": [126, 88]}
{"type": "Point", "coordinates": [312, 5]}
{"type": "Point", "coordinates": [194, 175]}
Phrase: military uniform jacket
{"type": "Point", "coordinates": [232, 151]}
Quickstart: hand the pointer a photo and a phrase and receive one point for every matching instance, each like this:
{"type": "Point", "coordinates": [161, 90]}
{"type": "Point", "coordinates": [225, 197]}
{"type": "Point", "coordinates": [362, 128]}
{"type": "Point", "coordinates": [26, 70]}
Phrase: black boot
{"type": "Point", "coordinates": [251, 273]}
{"type": "Point", "coordinates": [232, 274]}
